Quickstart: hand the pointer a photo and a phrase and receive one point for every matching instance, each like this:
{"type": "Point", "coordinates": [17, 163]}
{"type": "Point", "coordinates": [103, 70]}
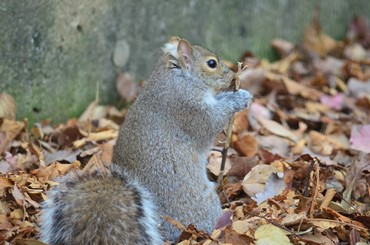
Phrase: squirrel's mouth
{"type": "Point", "coordinates": [233, 84]}
{"type": "Point", "coordinates": [230, 86]}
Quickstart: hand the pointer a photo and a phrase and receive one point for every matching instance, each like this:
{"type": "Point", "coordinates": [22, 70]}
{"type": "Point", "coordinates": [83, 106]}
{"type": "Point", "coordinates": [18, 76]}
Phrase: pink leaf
{"type": "Point", "coordinates": [225, 219]}
{"type": "Point", "coordinates": [336, 102]}
{"type": "Point", "coordinates": [360, 138]}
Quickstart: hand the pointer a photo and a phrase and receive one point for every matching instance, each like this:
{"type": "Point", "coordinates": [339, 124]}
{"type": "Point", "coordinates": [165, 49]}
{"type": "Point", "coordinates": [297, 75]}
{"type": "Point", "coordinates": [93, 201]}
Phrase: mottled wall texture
{"type": "Point", "coordinates": [54, 54]}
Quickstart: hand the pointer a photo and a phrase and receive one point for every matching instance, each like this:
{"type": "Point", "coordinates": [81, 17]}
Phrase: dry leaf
{"type": "Point", "coordinates": [283, 47]}
{"type": "Point", "coordinates": [324, 224]}
{"type": "Point", "coordinates": [316, 40]}
{"type": "Point", "coordinates": [63, 155]}
{"type": "Point", "coordinates": [7, 107]}
{"type": "Point", "coordinates": [8, 131]}
{"type": "Point", "coordinates": [28, 242]}
{"type": "Point", "coordinates": [18, 196]}
{"type": "Point", "coordinates": [246, 145]}
{"type": "Point", "coordinates": [241, 227]}
{"type": "Point", "coordinates": [360, 138]}
{"type": "Point", "coordinates": [358, 88]}
{"type": "Point", "coordinates": [214, 163]}
{"type": "Point", "coordinates": [321, 239]}
{"type": "Point", "coordinates": [336, 102]}
{"type": "Point", "coordinates": [225, 219]}
{"type": "Point", "coordinates": [240, 122]}
{"type": "Point", "coordinates": [126, 86]}
{"type": "Point", "coordinates": [277, 129]}
{"type": "Point", "coordinates": [93, 112]}
{"type": "Point", "coordinates": [5, 182]}
{"type": "Point", "coordinates": [257, 111]}
{"type": "Point", "coordinates": [273, 187]}
{"type": "Point", "coordinates": [241, 165]}
{"type": "Point", "coordinates": [271, 235]}
{"type": "Point", "coordinates": [254, 181]}
{"type": "Point", "coordinates": [298, 89]}
{"type": "Point", "coordinates": [5, 224]}
{"type": "Point", "coordinates": [274, 144]}
{"type": "Point", "coordinates": [293, 219]}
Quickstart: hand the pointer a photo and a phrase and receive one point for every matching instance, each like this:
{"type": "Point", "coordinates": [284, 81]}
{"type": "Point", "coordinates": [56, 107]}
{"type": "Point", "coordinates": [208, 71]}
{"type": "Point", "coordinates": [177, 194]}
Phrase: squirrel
{"type": "Point", "coordinates": [159, 160]}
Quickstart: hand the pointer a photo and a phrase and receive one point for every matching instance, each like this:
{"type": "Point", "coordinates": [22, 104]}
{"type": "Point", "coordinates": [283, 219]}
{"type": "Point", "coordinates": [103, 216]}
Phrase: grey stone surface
{"type": "Point", "coordinates": [54, 53]}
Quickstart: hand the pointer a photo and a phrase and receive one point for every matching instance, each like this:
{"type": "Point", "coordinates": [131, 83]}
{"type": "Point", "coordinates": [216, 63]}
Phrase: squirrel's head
{"type": "Point", "coordinates": [198, 62]}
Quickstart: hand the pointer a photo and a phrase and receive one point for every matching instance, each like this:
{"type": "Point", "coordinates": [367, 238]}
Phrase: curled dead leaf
{"type": "Point", "coordinates": [7, 106]}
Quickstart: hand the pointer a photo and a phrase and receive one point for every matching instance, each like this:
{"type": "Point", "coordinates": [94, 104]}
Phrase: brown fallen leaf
{"type": "Point", "coordinates": [214, 163]}
{"type": "Point", "coordinates": [283, 47]}
{"type": "Point", "coordinates": [319, 239]}
{"type": "Point", "coordinates": [315, 39]}
{"type": "Point", "coordinates": [278, 129]}
{"type": "Point", "coordinates": [28, 242]}
{"type": "Point", "coordinates": [55, 169]}
{"type": "Point", "coordinates": [328, 197]}
{"type": "Point", "coordinates": [246, 145]}
{"type": "Point", "coordinates": [241, 227]}
{"type": "Point", "coordinates": [241, 165]}
{"type": "Point", "coordinates": [254, 182]}
{"type": "Point", "coordinates": [17, 214]}
{"type": "Point", "coordinates": [5, 223]}
{"type": "Point", "coordinates": [240, 122]}
{"type": "Point", "coordinates": [8, 131]}
{"type": "Point", "coordinates": [7, 107]}
{"type": "Point", "coordinates": [5, 182]}
{"type": "Point", "coordinates": [62, 155]}
{"type": "Point", "coordinates": [126, 86]}
{"type": "Point", "coordinates": [295, 88]}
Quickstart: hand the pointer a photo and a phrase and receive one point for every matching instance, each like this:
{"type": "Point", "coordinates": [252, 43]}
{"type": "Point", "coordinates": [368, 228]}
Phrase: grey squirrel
{"type": "Point", "coordinates": [159, 160]}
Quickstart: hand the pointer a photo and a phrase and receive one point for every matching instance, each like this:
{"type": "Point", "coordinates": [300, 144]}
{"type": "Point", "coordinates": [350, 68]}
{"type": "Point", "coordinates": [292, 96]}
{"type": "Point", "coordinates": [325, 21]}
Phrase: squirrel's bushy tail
{"type": "Point", "coordinates": [97, 208]}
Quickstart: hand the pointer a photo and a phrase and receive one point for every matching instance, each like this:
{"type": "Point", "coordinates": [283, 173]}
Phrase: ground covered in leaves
{"type": "Point", "coordinates": [297, 172]}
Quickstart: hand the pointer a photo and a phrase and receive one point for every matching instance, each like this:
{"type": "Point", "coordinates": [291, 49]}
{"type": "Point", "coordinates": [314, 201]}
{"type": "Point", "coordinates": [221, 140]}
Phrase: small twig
{"type": "Point", "coordinates": [217, 150]}
{"type": "Point", "coordinates": [317, 187]}
{"type": "Point", "coordinates": [300, 224]}
{"type": "Point", "coordinates": [281, 227]}
{"type": "Point", "coordinates": [350, 204]}
{"type": "Point", "coordinates": [229, 132]}
{"type": "Point", "coordinates": [308, 177]}
{"type": "Point", "coordinates": [224, 154]}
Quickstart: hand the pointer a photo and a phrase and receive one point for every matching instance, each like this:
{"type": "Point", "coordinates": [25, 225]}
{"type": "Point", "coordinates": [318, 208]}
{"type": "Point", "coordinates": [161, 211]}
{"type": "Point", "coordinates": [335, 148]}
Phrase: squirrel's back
{"type": "Point", "coordinates": [163, 145]}
{"type": "Point", "coordinates": [99, 208]}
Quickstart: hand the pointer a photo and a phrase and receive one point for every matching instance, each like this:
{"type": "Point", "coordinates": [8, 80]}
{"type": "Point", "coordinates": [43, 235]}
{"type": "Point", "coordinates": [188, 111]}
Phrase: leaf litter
{"type": "Point", "coordinates": [297, 172]}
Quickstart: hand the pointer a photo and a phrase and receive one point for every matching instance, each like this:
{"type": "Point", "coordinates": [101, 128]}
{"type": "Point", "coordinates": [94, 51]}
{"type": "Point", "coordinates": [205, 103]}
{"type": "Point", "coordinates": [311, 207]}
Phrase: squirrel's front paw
{"type": "Point", "coordinates": [242, 99]}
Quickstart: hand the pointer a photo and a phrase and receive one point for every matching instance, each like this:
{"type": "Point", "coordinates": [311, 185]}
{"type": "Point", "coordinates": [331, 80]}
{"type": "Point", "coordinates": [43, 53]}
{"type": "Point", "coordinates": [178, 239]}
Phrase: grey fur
{"type": "Point", "coordinates": [167, 135]}
{"type": "Point", "coordinates": [159, 160]}
{"type": "Point", "coordinates": [98, 209]}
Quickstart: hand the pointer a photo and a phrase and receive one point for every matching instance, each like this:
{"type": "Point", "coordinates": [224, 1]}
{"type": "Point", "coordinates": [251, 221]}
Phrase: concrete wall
{"type": "Point", "coordinates": [54, 52]}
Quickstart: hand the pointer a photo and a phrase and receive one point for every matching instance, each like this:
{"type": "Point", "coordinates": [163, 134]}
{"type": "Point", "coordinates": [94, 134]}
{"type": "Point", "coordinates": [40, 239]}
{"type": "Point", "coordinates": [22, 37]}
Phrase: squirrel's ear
{"type": "Point", "coordinates": [171, 46]}
{"type": "Point", "coordinates": [185, 53]}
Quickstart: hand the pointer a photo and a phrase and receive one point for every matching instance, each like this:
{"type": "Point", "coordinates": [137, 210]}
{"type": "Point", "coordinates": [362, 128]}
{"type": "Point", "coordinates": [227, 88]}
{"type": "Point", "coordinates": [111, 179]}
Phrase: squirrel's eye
{"type": "Point", "coordinates": [212, 63]}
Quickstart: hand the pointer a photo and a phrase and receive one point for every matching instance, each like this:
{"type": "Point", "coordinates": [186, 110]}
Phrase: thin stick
{"type": "Point", "coordinates": [308, 177]}
{"type": "Point", "coordinates": [229, 131]}
{"type": "Point", "coordinates": [317, 187]}
{"type": "Point", "coordinates": [280, 226]}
